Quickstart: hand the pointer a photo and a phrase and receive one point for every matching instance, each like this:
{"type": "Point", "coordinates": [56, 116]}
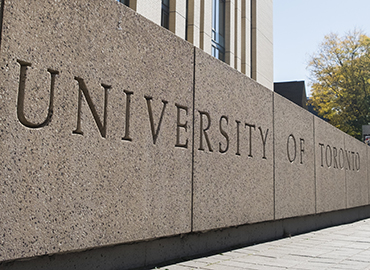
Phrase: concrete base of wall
{"type": "Point", "coordinates": [148, 254]}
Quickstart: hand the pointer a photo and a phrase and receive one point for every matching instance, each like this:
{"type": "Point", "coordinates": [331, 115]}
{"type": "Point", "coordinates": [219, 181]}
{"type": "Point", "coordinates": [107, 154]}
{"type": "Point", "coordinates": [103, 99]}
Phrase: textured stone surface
{"type": "Point", "coordinates": [330, 167]}
{"type": "Point", "coordinates": [180, 248]}
{"type": "Point", "coordinates": [62, 191]}
{"type": "Point", "coordinates": [294, 160]}
{"type": "Point", "coordinates": [233, 183]}
{"type": "Point", "coordinates": [72, 181]}
{"type": "Point", "coordinates": [356, 172]}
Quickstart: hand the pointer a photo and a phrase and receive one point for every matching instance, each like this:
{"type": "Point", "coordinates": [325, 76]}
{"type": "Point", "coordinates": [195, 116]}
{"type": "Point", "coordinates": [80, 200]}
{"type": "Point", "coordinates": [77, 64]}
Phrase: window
{"type": "Point", "coordinates": [165, 20]}
{"type": "Point", "coordinates": [218, 29]}
{"type": "Point", "coordinates": [186, 20]}
{"type": "Point", "coordinates": [125, 2]}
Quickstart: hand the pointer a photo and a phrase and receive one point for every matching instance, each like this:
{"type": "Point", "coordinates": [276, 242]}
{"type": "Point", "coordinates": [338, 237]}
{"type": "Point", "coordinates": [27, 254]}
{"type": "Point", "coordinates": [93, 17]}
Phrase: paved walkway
{"type": "Point", "coordinates": [341, 247]}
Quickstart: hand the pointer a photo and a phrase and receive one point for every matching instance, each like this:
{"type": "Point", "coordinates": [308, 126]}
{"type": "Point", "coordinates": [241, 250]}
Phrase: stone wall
{"type": "Point", "coordinates": [113, 130]}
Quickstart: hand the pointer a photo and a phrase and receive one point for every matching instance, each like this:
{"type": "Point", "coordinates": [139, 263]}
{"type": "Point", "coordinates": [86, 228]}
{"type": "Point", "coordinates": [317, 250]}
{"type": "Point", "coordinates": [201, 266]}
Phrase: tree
{"type": "Point", "coordinates": [340, 75]}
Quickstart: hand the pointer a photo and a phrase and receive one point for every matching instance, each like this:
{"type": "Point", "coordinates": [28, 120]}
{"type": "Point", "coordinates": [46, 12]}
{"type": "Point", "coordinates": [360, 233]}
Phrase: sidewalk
{"type": "Point", "coordinates": [341, 247]}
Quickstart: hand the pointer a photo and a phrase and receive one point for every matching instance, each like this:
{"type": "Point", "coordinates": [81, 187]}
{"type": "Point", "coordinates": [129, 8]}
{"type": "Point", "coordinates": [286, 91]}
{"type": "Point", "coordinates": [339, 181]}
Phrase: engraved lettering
{"type": "Point", "coordinates": [237, 138]}
{"type": "Point", "coordinates": [181, 125]}
{"type": "Point", "coordinates": [322, 154]}
{"type": "Point", "coordinates": [348, 158]}
{"type": "Point", "coordinates": [154, 131]}
{"type": "Point", "coordinates": [357, 161]}
{"type": "Point", "coordinates": [328, 161]}
{"type": "Point", "coordinates": [353, 160]}
{"type": "Point", "coordinates": [341, 164]}
{"type": "Point", "coordinates": [335, 157]}
{"type": "Point", "coordinates": [21, 90]}
{"type": "Point", "coordinates": [203, 131]}
{"type": "Point", "coordinates": [290, 158]}
{"type": "Point", "coordinates": [83, 90]}
{"type": "Point", "coordinates": [223, 132]}
{"type": "Point", "coordinates": [264, 139]}
{"type": "Point", "coordinates": [250, 137]}
{"type": "Point", "coordinates": [302, 149]}
{"type": "Point", "coordinates": [127, 122]}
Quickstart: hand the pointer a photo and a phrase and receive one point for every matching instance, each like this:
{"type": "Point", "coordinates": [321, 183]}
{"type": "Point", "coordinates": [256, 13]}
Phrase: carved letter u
{"type": "Point", "coordinates": [20, 103]}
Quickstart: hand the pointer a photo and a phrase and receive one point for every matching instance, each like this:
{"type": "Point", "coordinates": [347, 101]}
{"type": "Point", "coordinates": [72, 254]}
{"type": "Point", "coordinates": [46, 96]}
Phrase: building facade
{"type": "Point", "coordinates": [238, 32]}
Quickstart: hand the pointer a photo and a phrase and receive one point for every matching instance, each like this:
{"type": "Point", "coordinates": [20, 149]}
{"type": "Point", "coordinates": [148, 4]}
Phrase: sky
{"type": "Point", "coordinates": [301, 25]}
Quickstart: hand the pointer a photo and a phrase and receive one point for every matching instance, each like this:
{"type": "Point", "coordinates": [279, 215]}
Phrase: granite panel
{"type": "Point", "coordinates": [233, 147]}
{"type": "Point", "coordinates": [356, 172]}
{"type": "Point", "coordinates": [294, 159]}
{"type": "Point", "coordinates": [330, 168]}
{"type": "Point", "coordinates": [110, 160]}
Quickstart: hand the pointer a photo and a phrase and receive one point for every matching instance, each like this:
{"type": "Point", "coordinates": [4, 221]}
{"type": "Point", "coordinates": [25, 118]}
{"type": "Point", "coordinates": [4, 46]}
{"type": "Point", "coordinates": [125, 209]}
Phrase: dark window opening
{"type": "Point", "coordinates": [125, 2]}
{"type": "Point", "coordinates": [165, 19]}
{"type": "Point", "coordinates": [218, 29]}
{"type": "Point", "coordinates": [186, 19]}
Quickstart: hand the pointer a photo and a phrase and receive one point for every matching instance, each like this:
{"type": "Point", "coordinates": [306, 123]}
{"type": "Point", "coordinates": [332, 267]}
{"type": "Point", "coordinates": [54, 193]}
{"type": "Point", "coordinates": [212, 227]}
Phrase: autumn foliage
{"type": "Point", "coordinates": [340, 75]}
